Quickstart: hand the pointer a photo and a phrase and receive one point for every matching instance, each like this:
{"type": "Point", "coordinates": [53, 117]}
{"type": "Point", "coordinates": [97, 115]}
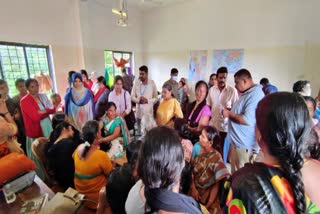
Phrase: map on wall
{"type": "Point", "coordinates": [197, 65]}
{"type": "Point", "coordinates": [232, 59]}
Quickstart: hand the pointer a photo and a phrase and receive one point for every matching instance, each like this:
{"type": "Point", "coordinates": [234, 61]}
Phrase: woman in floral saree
{"type": "Point", "coordinates": [79, 106]}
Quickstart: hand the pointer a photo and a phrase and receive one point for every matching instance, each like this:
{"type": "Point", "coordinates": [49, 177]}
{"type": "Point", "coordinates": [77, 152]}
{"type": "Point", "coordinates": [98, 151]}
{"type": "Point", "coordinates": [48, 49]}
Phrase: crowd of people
{"type": "Point", "coordinates": [233, 149]}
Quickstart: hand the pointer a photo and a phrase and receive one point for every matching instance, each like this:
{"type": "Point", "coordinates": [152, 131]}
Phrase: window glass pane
{"type": "Point", "coordinates": [109, 63]}
{"type": "Point", "coordinates": [13, 63]}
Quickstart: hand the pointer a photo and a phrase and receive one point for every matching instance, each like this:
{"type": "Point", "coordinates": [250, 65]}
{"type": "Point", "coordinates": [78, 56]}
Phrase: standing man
{"type": "Point", "coordinates": [173, 82]}
{"type": "Point", "coordinates": [145, 94]}
{"type": "Point", "coordinates": [242, 120]}
{"type": "Point", "coordinates": [267, 88]}
{"type": "Point", "coordinates": [221, 96]}
{"type": "Point", "coordinates": [20, 86]}
{"type": "Point", "coordinates": [127, 81]}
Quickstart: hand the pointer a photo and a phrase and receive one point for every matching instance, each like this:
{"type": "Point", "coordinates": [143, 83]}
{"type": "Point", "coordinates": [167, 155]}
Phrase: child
{"type": "Point", "coordinates": [208, 171]}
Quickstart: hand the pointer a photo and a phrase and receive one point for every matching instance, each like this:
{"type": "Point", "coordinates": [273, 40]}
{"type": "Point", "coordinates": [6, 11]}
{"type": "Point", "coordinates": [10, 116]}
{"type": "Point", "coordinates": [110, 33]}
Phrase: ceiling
{"type": "Point", "coordinates": [148, 4]}
{"type": "Point", "coordinates": [141, 4]}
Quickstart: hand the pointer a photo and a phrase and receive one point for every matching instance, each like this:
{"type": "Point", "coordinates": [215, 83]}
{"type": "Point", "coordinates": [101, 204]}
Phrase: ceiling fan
{"type": "Point", "coordinates": [122, 11]}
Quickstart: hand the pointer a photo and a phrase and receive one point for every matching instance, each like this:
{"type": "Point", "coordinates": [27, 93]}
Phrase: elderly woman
{"type": "Point", "coordinates": [91, 164]}
{"type": "Point", "coordinates": [198, 112]}
{"type": "Point", "coordinates": [169, 108]}
{"type": "Point", "coordinates": [36, 109]}
{"type": "Point", "coordinates": [163, 149]}
{"type": "Point", "coordinates": [275, 185]}
{"type": "Point", "coordinates": [114, 126]}
{"type": "Point", "coordinates": [302, 87]}
{"type": "Point", "coordinates": [79, 106]}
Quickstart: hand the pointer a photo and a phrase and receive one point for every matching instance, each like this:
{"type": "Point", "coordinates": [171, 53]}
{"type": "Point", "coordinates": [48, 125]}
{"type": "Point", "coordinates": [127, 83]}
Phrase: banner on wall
{"type": "Point", "coordinates": [197, 65]}
{"type": "Point", "coordinates": [232, 59]}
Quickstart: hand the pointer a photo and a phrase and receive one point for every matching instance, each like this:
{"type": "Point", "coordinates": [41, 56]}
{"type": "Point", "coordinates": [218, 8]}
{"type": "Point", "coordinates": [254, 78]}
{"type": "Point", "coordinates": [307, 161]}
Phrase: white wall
{"type": "Point", "coordinates": [100, 33]}
{"type": "Point", "coordinates": [55, 23]}
{"type": "Point", "coordinates": [77, 31]}
{"type": "Point", "coordinates": [280, 38]}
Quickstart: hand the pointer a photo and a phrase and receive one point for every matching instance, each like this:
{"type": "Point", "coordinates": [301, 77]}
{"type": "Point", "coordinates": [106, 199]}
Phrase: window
{"type": "Point", "coordinates": [113, 70]}
{"type": "Point", "coordinates": [22, 61]}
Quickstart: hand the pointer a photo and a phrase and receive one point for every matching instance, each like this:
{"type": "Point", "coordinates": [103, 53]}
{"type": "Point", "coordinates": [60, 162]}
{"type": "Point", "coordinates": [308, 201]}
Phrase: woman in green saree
{"type": "Point", "coordinates": [115, 128]}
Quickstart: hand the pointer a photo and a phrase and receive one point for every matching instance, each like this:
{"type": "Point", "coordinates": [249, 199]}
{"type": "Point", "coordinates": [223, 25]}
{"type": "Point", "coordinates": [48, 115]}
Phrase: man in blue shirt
{"type": "Point", "coordinates": [267, 87]}
{"type": "Point", "coordinates": [242, 121]}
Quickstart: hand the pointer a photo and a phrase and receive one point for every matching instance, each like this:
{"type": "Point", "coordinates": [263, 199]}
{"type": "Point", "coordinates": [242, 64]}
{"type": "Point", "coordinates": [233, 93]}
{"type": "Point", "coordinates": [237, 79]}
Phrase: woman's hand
{"type": "Point", "coordinates": [42, 111]}
{"type": "Point", "coordinates": [102, 140]}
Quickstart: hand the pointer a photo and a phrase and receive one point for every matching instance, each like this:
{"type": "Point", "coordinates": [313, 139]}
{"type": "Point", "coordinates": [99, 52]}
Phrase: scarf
{"type": "Point", "coordinates": [163, 199]}
{"type": "Point", "coordinates": [85, 98]}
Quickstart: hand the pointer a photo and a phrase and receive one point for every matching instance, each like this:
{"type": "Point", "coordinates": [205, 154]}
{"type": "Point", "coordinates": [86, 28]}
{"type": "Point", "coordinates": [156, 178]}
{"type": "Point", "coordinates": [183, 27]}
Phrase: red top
{"type": "Point", "coordinates": [98, 94]}
{"type": "Point", "coordinates": [32, 117]}
{"type": "Point", "coordinates": [88, 84]}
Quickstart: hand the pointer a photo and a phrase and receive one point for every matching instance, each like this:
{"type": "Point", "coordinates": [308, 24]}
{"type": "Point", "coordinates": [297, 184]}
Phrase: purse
{"type": "Point", "coordinates": [68, 202]}
{"type": "Point", "coordinates": [129, 118]}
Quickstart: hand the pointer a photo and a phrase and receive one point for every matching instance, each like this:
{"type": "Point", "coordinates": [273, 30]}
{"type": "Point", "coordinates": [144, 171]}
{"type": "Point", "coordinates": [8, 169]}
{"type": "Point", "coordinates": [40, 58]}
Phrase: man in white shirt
{"type": "Point", "coordinates": [145, 94]}
{"type": "Point", "coordinates": [221, 96]}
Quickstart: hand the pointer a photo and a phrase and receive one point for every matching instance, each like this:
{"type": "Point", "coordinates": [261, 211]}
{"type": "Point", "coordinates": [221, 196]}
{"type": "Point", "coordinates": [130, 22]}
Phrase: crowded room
{"type": "Point", "coordinates": [159, 106]}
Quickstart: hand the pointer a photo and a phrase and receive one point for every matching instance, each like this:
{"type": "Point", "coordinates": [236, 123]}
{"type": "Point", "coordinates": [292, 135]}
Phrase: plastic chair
{"type": "Point", "coordinates": [40, 159]}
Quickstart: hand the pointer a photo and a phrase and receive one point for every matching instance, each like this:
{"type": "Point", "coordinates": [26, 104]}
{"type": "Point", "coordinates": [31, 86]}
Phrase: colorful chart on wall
{"type": "Point", "coordinates": [197, 65]}
{"type": "Point", "coordinates": [232, 59]}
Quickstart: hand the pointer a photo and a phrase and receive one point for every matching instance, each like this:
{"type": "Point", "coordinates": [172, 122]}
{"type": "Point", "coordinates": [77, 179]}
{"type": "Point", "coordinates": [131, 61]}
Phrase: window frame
{"type": "Point", "coordinates": [122, 53]}
{"type": "Point", "coordinates": [25, 46]}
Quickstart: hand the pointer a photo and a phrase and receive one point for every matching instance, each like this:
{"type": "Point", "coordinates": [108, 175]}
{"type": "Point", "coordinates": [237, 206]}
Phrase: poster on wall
{"type": "Point", "coordinates": [232, 59]}
{"type": "Point", "coordinates": [197, 65]}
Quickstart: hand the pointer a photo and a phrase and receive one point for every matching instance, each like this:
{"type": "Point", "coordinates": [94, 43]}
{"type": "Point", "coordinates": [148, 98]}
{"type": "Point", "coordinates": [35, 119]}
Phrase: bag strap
{"type": "Point", "coordinates": [125, 100]}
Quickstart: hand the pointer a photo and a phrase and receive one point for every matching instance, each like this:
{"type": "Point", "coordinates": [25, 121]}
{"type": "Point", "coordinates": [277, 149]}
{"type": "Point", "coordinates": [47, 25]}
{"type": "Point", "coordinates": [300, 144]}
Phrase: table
{"type": "Point", "coordinates": [37, 189]}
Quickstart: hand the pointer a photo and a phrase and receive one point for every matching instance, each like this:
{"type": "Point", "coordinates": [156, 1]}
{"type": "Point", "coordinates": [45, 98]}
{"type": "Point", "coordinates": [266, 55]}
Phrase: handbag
{"type": "Point", "coordinates": [129, 118]}
{"type": "Point", "coordinates": [68, 202]}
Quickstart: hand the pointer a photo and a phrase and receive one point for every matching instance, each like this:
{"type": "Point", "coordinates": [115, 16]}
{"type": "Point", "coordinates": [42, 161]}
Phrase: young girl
{"type": "Point", "coordinates": [208, 170]}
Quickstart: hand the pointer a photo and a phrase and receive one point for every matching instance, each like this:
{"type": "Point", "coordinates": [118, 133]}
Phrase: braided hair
{"type": "Point", "coordinates": [284, 123]}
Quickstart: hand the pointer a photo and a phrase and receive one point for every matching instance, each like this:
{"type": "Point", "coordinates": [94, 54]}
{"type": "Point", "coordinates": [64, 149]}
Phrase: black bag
{"type": "Point", "coordinates": [129, 118]}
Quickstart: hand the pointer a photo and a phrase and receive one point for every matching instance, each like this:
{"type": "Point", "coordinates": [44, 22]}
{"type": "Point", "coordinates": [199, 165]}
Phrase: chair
{"type": "Point", "coordinates": [40, 159]}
